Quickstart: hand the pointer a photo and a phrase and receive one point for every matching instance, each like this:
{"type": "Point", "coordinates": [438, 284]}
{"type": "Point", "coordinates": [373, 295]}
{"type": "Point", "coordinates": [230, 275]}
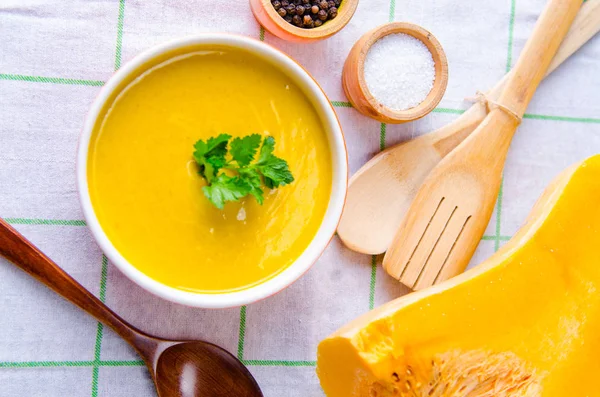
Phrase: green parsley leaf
{"type": "Point", "coordinates": [266, 149]}
{"type": "Point", "coordinates": [252, 178]}
{"type": "Point", "coordinates": [210, 155]}
{"type": "Point", "coordinates": [274, 169]}
{"type": "Point", "coordinates": [244, 149]}
{"type": "Point", "coordinates": [276, 172]}
{"type": "Point", "coordinates": [225, 188]}
{"type": "Point", "coordinates": [218, 146]}
{"type": "Point", "coordinates": [243, 177]}
{"type": "Point", "coordinates": [213, 147]}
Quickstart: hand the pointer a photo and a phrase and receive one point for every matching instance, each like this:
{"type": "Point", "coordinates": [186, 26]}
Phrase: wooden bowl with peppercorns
{"type": "Point", "coordinates": [303, 20]}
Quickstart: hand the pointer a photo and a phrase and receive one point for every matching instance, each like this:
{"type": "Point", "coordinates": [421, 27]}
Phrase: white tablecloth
{"type": "Point", "coordinates": [55, 55]}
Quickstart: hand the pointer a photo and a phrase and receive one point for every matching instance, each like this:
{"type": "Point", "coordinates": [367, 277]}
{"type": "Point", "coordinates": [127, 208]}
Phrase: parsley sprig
{"type": "Point", "coordinates": [246, 176]}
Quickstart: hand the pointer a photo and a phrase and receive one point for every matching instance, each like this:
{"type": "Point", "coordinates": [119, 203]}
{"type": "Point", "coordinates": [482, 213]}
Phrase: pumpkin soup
{"type": "Point", "coordinates": [147, 192]}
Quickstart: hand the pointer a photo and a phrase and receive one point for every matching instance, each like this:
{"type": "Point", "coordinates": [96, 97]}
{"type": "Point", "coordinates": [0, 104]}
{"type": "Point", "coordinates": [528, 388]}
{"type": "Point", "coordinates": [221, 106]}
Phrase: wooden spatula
{"type": "Point", "coordinates": [382, 190]}
{"type": "Point", "coordinates": [451, 210]}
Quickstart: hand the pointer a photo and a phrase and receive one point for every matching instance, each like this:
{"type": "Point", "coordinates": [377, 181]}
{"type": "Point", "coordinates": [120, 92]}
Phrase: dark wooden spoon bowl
{"type": "Point", "coordinates": [178, 368]}
{"type": "Point", "coordinates": [185, 368]}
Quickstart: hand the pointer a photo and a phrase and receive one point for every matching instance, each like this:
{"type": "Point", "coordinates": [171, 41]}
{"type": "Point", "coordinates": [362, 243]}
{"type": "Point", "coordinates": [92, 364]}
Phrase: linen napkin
{"type": "Point", "coordinates": [54, 57]}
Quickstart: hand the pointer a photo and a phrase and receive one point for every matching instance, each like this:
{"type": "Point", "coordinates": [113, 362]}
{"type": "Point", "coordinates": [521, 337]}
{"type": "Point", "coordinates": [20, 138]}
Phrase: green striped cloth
{"type": "Point", "coordinates": [54, 57]}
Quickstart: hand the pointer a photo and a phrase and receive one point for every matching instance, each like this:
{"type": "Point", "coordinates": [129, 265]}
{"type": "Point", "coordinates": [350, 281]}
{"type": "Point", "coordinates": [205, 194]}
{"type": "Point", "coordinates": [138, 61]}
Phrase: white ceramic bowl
{"type": "Point", "coordinates": [339, 163]}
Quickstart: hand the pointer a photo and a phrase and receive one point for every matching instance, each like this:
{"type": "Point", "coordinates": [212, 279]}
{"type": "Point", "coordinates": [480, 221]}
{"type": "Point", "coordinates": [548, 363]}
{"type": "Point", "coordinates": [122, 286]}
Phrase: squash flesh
{"type": "Point", "coordinates": [537, 299]}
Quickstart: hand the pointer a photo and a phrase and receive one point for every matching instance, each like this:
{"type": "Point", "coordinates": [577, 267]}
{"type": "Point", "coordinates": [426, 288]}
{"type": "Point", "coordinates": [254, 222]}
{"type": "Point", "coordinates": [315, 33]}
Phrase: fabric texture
{"type": "Point", "coordinates": [54, 57]}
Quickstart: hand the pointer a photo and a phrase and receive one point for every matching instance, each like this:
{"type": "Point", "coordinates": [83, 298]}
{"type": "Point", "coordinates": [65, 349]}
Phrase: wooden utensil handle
{"type": "Point", "coordinates": [549, 31]}
{"type": "Point", "coordinates": [585, 26]}
{"type": "Point", "coordinates": [21, 252]}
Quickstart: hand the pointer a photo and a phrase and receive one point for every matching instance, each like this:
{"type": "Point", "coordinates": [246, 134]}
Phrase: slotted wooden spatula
{"type": "Point", "coordinates": [451, 210]}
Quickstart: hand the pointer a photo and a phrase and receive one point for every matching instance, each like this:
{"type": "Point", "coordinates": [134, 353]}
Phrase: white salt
{"type": "Point", "coordinates": [399, 71]}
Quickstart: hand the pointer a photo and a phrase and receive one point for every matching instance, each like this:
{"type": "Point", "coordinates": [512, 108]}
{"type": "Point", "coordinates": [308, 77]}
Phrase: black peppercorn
{"type": "Point", "coordinates": [307, 14]}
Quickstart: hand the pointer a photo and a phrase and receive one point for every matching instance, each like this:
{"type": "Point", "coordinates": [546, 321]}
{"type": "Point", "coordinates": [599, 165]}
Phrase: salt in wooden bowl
{"type": "Point", "coordinates": [265, 14]}
{"type": "Point", "coordinates": [357, 91]}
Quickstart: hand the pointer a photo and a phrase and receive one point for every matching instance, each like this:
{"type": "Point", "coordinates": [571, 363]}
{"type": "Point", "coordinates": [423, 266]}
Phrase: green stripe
{"type": "Point", "coordinates": [98, 345]}
{"type": "Point", "coordinates": [103, 277]}
{"type": "Point", "coordinates": [53, 222]}
{"type": "Point", "coordinates": [562, 118]}
{"type": "Point", "coordinates": [450, 111]}
{"type": "Point", "coordinates": [38, 364]}
{"type": "Point", "coordinates": [382, 133]}
{"type": "Point", "coordinates": [392, 10]}
{"type": "Point", "coordinates": [53, 80]}
{"type": "Point", "coordinates": [95, 371]}
{"type": "Point", "coordinates": [590, 120]}
{"type": "Point", "coordinates": [261, 34]}
{"type": "Point", "coordinates": [119, 46]}
{"type": "Point", "coordinates": [57, 364]}
{"type": "Point", "coordinates": [242, 334]}
{"type": "Point", "coordinates": [499, 215]}
{"type": "Point", "coordinates": [373, 282]}
{"type": "Point", "coordinates": [511, 28]}
{"type": "Point", "coordinates": [341, 104]}
{"type": "Point", "coordinates": [121, 363]}
{"type": "Point", "coordinates": [139, 363]}
{"type": "Point", "coordinates": [100, 329]}
{"type": "Point", "coordinates": [279, 363]}
{"type": "Point", "coordinates": [495, 238]}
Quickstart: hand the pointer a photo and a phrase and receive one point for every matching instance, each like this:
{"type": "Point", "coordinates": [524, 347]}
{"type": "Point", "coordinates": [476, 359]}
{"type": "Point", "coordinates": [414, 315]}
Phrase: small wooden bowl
{"type": "Point", "coordinates": [355, 86]}
{"type": "Point", "coordinates": [266, 15]}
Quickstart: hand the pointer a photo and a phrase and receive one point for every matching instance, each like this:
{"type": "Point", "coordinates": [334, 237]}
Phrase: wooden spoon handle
{"type": "Point", "coordinates": [21, 252]}
{"type": "Point", "coordinates": [549, 31]}
{"type": "Point", "coordinates": [585, 26]}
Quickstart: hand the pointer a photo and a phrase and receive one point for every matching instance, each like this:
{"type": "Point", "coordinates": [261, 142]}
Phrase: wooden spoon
{"type": "Point", "coordinates": [451, 210]}
{"type": "Point", "coordinates": [178, 368]}
{"type": "Point", "coordinates": [380, 193]}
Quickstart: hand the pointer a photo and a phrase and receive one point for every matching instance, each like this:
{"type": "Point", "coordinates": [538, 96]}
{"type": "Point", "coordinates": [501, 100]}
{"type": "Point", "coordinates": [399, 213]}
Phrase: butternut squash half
{"type": "Point", "coordinates": [526, 322]}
